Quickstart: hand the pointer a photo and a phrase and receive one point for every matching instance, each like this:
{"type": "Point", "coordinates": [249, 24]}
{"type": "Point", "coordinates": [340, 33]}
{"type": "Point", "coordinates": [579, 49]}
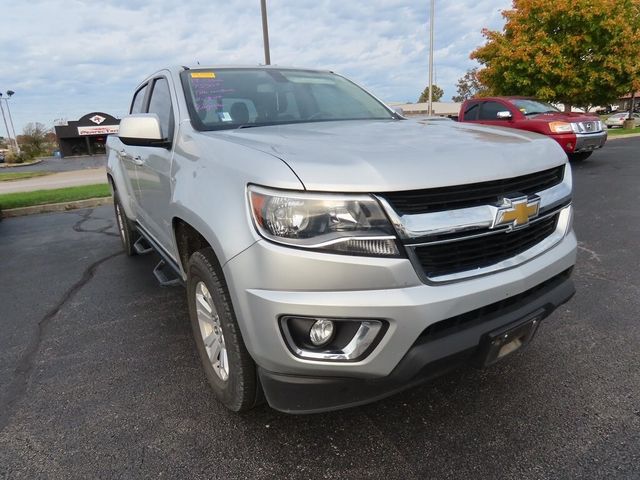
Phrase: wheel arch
{"type": "Point", "coordinates": [188, 240]}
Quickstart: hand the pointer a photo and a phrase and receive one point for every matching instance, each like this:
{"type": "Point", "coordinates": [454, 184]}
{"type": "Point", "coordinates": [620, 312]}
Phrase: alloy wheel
{"type": "Point", "coordinates": [211, 331]}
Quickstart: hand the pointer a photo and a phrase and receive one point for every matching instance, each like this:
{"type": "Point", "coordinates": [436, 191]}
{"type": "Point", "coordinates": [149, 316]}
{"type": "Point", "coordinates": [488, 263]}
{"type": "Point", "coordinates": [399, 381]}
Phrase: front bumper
{"type": "Point", "coordinates": [429, 357]}
{"type": "Point", "coordinates": [581, 142]}
{"type": "Point", "coordinates": [587, 142]}
{"type": "Point", "coordinates": [267, 281]}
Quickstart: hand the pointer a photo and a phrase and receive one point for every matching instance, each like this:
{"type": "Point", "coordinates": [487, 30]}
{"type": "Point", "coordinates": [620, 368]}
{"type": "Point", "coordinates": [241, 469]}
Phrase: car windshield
{"type": "Point", "coordinates": [251, 97]}
{"type": "Point", "coordinates": [533, 107]}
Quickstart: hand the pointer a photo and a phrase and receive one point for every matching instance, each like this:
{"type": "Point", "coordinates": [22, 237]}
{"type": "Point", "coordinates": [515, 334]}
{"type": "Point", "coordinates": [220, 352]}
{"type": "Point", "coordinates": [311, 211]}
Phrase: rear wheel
{"type": "Point", "coordinates": [228, 366]}
{"type": "Point", "coordinates": [579, 157]}
{"type": "Point", "coordinates": [128, 234]}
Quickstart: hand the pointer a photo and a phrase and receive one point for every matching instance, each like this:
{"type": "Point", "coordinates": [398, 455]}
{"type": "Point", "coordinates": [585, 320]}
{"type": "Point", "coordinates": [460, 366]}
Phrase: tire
{"type": "Point", "coordinates": [228, 366]}
{"type": "Point", "coordinates": [579, 157]}
{"type": "Point", "coordinates": [128, 234]}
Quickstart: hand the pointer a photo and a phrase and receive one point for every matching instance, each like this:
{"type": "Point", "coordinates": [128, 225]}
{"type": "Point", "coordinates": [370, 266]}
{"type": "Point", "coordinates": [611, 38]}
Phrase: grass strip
{"type": "Point", "coordinates": [58, 195]}
{"type": "Point", "coordinates": [622, 131]}
{"type": "Point", "coordinates": [10, 176]}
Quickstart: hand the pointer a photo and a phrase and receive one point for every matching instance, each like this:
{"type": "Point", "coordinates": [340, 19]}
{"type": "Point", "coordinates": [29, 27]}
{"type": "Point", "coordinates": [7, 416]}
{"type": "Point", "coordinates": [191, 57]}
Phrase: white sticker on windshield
{"type": "Point", "coordinates": [225, 116]}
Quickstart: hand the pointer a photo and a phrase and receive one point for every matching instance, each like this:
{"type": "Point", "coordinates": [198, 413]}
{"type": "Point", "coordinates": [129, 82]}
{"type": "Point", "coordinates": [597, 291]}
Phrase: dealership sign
{"type": "Point", "coordinates": [98, 130]}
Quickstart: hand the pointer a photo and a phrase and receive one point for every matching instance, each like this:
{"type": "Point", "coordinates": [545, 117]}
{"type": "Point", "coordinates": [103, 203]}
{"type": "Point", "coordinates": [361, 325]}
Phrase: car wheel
{"type": "Point", "coordinates": [128, 234]}
{"type": "Point", "coordinates": [228, 366]}
{"type": "Point", "coordinates": [579, 157]}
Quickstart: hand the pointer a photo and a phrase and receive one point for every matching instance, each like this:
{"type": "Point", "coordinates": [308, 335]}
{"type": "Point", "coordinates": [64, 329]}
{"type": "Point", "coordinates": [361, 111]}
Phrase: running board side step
{"type": "Point", "coordinates": [142, 247]}
{"type": "Point", "coordinates": [166, 275]}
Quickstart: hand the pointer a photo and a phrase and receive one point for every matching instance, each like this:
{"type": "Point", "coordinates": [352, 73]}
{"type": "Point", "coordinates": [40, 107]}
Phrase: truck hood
{"type": "Point", "coordinates": [563, 117]}
{"type": "Point", "coordinates": [378, 156]}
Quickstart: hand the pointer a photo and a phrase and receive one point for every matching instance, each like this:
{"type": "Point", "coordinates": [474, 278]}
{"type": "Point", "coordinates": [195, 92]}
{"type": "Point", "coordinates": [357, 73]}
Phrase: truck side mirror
{"type": "Point", "coordinates": [142, 130]}
{"type": "Point", "coordinates": [505, 115]}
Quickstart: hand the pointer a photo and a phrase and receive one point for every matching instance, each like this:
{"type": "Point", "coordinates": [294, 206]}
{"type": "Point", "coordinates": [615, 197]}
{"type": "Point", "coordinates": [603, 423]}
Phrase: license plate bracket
{"type": "Point", "coordinates": [509, 339]}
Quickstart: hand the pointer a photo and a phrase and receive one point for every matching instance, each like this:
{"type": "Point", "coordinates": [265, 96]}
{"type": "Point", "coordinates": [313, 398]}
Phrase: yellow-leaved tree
{"type": "Point", "coordinates": [577, 52]}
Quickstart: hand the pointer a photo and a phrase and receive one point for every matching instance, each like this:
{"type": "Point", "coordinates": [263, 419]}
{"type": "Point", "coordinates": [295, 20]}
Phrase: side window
{"type": "Point", "coordinates": [138, 101]}
{"type": "Point", "coordinates": [489, 111]}
{"type": "Point", "coordinates": [160, 104]}
{"type": "Point", "coordinates": [471, 112]}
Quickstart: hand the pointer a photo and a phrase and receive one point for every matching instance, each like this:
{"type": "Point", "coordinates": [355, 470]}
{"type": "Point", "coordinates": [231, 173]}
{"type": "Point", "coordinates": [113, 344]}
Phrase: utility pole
{"type": "Point", "coordinates": [433, 8]}
{"type": "Point", "coordinates": [265, 32]}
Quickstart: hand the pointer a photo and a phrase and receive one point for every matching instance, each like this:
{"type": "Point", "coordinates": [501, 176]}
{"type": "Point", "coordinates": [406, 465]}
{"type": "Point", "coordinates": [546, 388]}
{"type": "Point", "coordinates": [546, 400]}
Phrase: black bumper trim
{"type": "Point", "coordinates": [425, 360]}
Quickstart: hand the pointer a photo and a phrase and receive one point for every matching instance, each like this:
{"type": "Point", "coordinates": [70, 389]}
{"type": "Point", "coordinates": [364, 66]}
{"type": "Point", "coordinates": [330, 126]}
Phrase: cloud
{"type": "Point", "coordinates": [65, 58]}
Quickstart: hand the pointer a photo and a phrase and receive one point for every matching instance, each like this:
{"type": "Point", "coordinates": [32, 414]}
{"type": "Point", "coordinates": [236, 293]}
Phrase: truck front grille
{"type": "Point", "coordinates": [588, 127]}
{"type": "Point", "coordinates": [462, 196]}
{"type": "Point", "coordinates": [467, 254]}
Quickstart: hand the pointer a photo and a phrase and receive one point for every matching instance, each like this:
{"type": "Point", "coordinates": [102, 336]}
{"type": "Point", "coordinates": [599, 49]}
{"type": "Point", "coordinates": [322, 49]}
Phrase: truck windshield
{"type": "Point", "coordinates": [533, 107]}
{"type": "Point", "coordinates": [244, 97]}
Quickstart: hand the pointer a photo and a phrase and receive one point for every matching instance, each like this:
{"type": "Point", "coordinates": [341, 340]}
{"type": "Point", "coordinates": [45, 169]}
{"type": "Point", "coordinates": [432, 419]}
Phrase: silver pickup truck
{"type": "Point", "coordinates": [334, 252]}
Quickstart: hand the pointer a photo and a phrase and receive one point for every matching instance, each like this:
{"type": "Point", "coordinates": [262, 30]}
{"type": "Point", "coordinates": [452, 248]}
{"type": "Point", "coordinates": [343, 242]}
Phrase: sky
{"type": "Point", "coordinates": [66, 58]}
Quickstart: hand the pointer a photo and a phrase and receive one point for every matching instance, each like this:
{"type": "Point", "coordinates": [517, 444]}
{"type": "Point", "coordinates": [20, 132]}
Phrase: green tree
{"type": "Point", "coordinates": [33, 140]}
{"type": "Point", "coordinates": [469, 86]}
{"type": "Point", "coordinates": [578, 52]}
{"type": "Point", "coordinates": [436, 96]}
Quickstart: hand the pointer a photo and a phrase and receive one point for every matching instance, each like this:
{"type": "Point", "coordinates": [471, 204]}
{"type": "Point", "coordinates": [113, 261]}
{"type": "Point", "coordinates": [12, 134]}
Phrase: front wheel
{"type": "Point", "coordinates": [579, 157]}
{"type": "Point", "coordinates": [228, 366]}
{"type": "Point", "coordinates": [128, 234]}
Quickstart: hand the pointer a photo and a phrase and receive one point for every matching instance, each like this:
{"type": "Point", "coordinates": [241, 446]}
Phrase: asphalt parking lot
{"type": "Point", "coordinates": [99, 375]}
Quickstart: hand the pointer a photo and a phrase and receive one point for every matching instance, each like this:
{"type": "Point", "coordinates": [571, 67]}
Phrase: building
{"type": "Point", "coordinates": [87, 135]}
{"type": "Point", "coordinates": [441, 109]}
{"type": "Point", "coordinates": [624, 102]}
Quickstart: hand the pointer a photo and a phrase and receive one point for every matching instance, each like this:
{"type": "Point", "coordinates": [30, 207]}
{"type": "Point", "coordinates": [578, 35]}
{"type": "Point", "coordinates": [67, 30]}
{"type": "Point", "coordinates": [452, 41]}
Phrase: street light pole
{"type": "Point", "coordinates": [433, 7]}
{"type": "Point", "coordinates": [265, 32]}
{"type": "Point", "coordinates": [5, 124]}
{"type": "Point", "coordinates": [13, 129]}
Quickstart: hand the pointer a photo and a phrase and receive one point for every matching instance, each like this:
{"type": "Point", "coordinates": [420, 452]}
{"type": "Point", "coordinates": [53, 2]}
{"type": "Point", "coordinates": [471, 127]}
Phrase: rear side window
{"type": "Point", "coordinates": [489, 111]}
{"type": "Point", "coordinates": [138, 101]}
{"type": "Point", "coordinates": [160, 104]}
{"type": "Point", "coordinates": [471, 112]}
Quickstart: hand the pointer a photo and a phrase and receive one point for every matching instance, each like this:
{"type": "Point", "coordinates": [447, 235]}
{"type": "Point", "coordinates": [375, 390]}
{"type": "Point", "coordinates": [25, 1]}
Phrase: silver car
{"type": "Point", "coordinates": [618, 119]}
{"type": "Point", "coordinates": [334, 253]}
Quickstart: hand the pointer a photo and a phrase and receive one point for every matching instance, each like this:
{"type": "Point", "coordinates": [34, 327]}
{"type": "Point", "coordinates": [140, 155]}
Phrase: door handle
{"type": "Point", "coordinates": [137, 160]}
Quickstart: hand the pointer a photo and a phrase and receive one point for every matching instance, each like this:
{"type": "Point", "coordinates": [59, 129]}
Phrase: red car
{"type": "Point", "coordinates": [579, 134]}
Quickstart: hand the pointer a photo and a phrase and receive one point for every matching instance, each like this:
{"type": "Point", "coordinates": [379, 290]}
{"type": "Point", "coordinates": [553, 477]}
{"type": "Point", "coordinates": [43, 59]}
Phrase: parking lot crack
{"type": "Point", "coordinates": [593, 254]}
{"type": "Point", "coordinates": [86, 216]}
{"type": "Point", "coordinates": [26, 363]}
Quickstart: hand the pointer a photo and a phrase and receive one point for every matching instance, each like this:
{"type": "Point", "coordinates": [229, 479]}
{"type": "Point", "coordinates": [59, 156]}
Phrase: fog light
{"type": "Point", "coordinates": [321, 332]}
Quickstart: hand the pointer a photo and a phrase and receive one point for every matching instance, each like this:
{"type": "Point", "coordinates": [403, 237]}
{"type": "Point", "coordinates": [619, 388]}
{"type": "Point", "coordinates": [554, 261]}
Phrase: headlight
{"type": "Point", "coordinates": [560, 127]}
{"type": "Point", "coordinates": [352, 224]}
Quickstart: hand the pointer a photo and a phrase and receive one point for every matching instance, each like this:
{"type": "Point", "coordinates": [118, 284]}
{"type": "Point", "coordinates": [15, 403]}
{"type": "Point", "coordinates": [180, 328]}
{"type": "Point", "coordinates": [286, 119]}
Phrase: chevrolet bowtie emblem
{"type": "Point", "coordinates": [516, 212]}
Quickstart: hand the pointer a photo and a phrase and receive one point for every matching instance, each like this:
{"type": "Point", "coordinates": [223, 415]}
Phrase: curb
{"type": "Point", "coordinates": [18, 165]}
{"type": "Point", "coordinates": [56, 207]}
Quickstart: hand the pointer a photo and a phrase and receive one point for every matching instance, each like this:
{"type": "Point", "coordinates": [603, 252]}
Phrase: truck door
{"type": "Point", "coordinates": [154, 167]}
{"type": "Point", "coordinates": [128, 155]}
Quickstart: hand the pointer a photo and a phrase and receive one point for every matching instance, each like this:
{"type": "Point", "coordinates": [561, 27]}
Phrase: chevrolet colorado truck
{"type": "Point", "coordinates": [333, 252]}
{"type": "Point", "coordinates": [578, 134]}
